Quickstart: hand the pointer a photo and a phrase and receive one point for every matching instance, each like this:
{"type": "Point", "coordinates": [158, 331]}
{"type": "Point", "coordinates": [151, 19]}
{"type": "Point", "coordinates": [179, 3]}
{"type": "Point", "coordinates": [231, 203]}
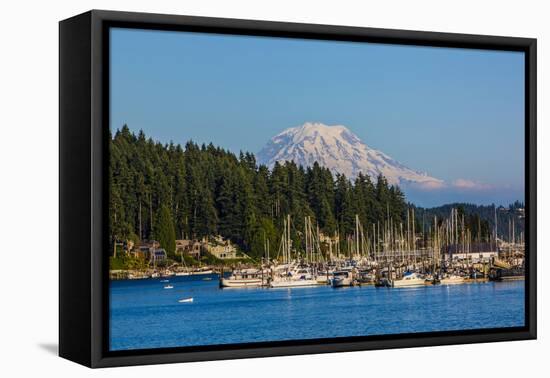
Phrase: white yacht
{"type": "Point", "coordinates": [451, 279]}
{"type": "Point", "coordinates": [294, 276]}
{"type": "Point", "coordinates": [342, 278]}
{"type": "Point", "coordinates": [409, 280]}
{"type": "Point", "coordinates": [244, 278]}
{"type": "Point", "coordinates": [200, 271]}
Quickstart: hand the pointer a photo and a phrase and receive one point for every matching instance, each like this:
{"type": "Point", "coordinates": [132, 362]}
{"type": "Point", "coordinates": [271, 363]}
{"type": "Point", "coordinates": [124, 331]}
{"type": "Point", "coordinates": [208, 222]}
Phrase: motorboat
{"type": "Point", "coordinates": [451, 279]}
{"type": "Point", "coordinates": [295, 276]}
{"type": "Point", "coordinates": [200, 271]}
{"type": "Point", "coordinates": [342, 278]}
{"type": "Point", "coordinates": [366, 278]}
{"type": "Point", "coordinates": [409, 280]}
{"type": "Point", "coordinates": [243, 278]}
{"type": "Point", "coordinates": [517, 273]}
{"type": "Point", "coordinates": [186, 300]}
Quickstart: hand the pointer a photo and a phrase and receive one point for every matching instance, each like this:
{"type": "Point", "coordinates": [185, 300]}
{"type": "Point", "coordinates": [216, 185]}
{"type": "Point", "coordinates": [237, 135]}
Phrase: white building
{"type": "Point", "coordinates": [475, 256]}
{"type": "Point", "coordinates": [224, 250]}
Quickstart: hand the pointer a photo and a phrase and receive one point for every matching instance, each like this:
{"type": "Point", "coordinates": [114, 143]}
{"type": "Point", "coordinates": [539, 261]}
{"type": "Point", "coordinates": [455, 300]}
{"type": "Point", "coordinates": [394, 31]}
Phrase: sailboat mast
{"type": "Point", "coordinates": [496, 229]}
{"type": "Point", "coordinates": [357, 252]}
{"type": "Point", "coordinates": [288, 232]}
{"type": "Point", "coordinates": [306, 238]}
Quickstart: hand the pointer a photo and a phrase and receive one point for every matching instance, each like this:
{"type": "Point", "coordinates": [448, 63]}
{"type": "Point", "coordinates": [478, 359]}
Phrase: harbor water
{"type": "Point", "coordinates": [143, 314]}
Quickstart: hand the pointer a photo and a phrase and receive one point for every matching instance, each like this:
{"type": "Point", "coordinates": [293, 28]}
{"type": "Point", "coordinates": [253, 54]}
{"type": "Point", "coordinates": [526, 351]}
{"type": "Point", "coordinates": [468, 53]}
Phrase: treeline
{"type": "Point", "coordinates": [166, 191]}
{"type": "Point", "coordinates": [480, 219]}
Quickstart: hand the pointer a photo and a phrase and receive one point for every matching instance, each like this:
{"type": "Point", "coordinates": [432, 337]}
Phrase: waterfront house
{"type": "Point", "coordinates": [145, 249]}
{"type": "Point", "coordinates": [138, 253]}
{"type": "Point", "coordinates": [158, 255]}
{"type": "Point", "coordinates": [222, 249]}
{"type": "Point", "coordinates": [192, 248]}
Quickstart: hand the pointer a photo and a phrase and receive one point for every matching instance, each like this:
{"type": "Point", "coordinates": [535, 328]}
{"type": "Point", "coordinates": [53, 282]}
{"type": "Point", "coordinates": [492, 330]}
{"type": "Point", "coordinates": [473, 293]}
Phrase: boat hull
{"type": "Point", "coordinates": [293, 283]}
{"type": "Point", "coordinates": [452, 281]}
{"type": "Point", "coordinates": [323, 280]}
{"type": "Point", "coordinates": [408, 283]}
{"type": "Point", "coordinates": [201, 272]}
{"type": "Point", "coordinates": [345, 282]}
{"type": "Point", "coordinates": [251, 282]}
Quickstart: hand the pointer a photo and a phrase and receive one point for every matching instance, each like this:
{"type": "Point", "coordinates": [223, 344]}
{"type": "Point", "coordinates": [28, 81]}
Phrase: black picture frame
{"type": "Point", "coordinates": [83, 153]}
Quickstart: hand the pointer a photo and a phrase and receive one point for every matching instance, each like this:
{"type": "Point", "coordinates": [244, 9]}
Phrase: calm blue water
{"type": "Point", "coordinates": [145, 315]}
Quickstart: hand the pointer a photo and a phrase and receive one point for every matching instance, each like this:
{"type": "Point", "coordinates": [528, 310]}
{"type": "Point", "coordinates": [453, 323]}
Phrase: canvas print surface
{"type": "Point", "coordinates": [274, 189]}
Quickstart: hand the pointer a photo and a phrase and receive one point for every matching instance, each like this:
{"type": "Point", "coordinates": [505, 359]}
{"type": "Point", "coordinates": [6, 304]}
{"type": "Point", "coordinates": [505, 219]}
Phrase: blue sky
{"type": "Point", "coordinates": [455, 113]}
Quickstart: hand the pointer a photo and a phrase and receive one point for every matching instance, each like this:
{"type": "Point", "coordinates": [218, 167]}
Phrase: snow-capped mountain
{"type": "Point", "coordinates": [340, 150]}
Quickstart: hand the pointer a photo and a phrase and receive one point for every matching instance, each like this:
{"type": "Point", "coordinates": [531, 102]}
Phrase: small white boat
{"type": "Point", "coordinates": [342, 278]}
{"type": "Point", "coordinates": [243, 278]}
{"type": "Point", "coordinates": [186, 300]}
{"type": "Point", "coordinates": [168, 287]}
{"type": "Point", "coordinates": [137, 276]}
{"type": "Point", "coordinates": [200, 271]}
{"type": "Point", "coordinates": [293, 283]}
{"type": "Point", "coordinates": [240, 282]}
{"type": "Point", "coordinates": [452, 280]}
{"type": "Point", "coordinates": [297, 277]}
{"type": "Point", "coordinates": [409, 280]}
{"type": "Point", "coordinates": [164, 281]}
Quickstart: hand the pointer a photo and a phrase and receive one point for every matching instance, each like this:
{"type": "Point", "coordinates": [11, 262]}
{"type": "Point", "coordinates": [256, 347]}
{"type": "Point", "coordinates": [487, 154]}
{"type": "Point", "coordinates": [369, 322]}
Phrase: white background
{"type": "Point", "coordinates": [29, 186]}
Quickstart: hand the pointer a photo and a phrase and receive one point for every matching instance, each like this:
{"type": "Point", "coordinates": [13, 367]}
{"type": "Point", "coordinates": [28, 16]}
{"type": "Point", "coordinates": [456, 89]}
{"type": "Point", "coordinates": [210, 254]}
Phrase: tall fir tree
{"type": "Point", "coordinates": [164, 231]}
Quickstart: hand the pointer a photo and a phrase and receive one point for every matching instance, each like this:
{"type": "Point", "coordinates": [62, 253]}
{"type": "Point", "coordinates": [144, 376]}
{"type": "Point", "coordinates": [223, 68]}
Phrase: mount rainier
{"type": "Point", "coordinates": [340, 150]}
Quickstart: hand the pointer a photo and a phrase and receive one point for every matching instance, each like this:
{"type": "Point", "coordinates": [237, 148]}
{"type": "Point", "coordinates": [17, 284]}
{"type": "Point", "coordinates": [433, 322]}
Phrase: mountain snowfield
{"type": "Point", "coordinates": [340, 150]}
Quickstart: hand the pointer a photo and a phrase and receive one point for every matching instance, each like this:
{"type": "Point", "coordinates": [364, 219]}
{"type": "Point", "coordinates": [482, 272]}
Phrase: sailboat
{"type": "Point", "coordinates": [185, 271]}
{"type": "Point", "coordinates": [297, 276]}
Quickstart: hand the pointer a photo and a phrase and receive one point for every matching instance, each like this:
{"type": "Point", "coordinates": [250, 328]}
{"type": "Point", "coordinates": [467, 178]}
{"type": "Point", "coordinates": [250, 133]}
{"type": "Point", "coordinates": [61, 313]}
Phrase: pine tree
{"type": "Point", "coordinates": [345, 208]}
{"type": "Point", "coordinates": [164, 231]}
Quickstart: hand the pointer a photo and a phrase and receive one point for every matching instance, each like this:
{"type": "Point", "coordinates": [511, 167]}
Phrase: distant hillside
{"type": "Point", "coordinates": [515, 211]}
